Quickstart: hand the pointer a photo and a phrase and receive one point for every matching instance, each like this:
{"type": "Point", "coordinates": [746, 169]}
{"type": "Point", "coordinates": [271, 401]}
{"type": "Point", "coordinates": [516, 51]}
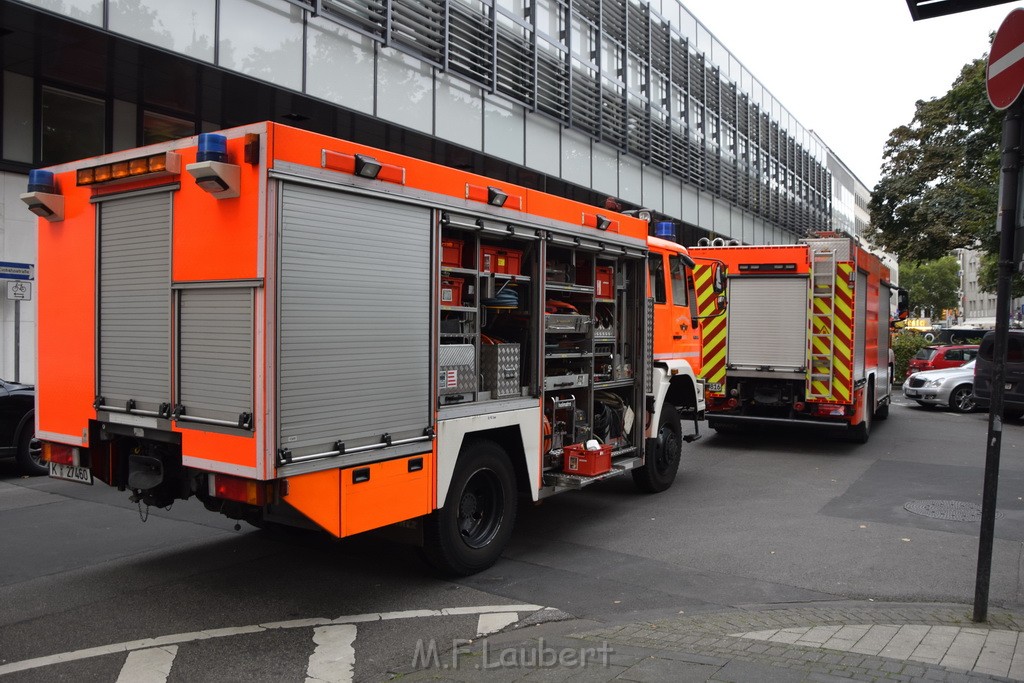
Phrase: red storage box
{"type": "Point", "coordinates": [451, 253]}
{"type": "Point", "coordinates": [497, 260]}
{"type": "Point", "coordinates": [605, 286]}
{"type": "Point", "coordinates": [451, 291]}
{"type": "Point", "coordinates": [576, 459]}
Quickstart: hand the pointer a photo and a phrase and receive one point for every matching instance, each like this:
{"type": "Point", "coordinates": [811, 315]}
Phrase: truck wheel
{"type": "Point", "coordinates": [28, 460]}
{"type": "Point", "coordinates": [882, 412]}
{"type": "Point", "coordinates": [662, 465]}
{"type": "Point", "coordinates": [469, 533]}
{"type": "Point", "coordinates": [862, 431]}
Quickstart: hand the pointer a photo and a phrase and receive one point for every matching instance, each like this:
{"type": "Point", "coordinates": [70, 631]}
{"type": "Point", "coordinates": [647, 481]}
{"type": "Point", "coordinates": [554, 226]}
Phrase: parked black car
{"type": "Point", "coordinates": [18, 426]}
{"type": "Point", "coordinates": [1013, 396]}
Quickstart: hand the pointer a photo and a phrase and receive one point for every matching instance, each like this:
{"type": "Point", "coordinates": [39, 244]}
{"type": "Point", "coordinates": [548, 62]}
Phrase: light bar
{"type": "Point", "coordinates": [768, 267]}
{"type": "Point", "coordinates": [152, 166]}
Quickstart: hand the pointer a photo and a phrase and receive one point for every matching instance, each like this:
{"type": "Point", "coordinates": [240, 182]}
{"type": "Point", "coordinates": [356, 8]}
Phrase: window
{"type": "Point", "coordinates": [679, 290]}
{"type": "Point", "coordinates": [657, 268]}
{"type": "Point", "coordinates": [954, 354]}
{"type": "Point", "coordinates": [72, 126]}
{"type": "Point", "coordinates": [160, 128]}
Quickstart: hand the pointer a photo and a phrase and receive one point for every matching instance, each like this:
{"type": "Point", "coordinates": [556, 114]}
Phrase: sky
{"type": "Point", "coordinates": [850, 70]}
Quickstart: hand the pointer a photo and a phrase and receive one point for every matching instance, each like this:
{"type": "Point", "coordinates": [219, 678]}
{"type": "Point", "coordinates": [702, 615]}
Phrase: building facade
{"type": "Point", "coordinates": [589, 99]}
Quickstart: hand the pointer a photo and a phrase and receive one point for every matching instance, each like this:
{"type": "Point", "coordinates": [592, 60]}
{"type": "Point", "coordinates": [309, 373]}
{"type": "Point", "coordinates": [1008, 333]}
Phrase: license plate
{"type": "Point", "coordinates": [1009, 386]}
{"type": "Point", "coordinates": [911, 393]}
{"type": "Point", "coordinates": [70, 473]}
{"type": "Point", "coordinates": [715, 388]}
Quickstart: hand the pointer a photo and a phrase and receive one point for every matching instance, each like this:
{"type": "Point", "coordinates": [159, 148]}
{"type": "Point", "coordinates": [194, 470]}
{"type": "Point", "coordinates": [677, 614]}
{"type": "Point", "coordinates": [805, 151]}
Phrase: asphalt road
{"type": "Point", "coordinates": [771, 517]}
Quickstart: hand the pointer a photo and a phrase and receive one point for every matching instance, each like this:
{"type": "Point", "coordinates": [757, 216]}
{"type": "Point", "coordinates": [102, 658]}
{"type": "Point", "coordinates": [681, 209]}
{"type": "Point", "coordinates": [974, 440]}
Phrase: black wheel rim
{"type": "Point", "coordinates": [480, 509]}
{"type": "Point", "coordinates": [668, 450]}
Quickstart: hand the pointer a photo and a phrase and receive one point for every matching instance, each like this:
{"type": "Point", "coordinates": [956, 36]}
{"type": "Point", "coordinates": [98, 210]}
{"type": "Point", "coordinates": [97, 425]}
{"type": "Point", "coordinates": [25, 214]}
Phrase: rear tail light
{"type": "Point", "coordinates": [60, 454]}
{"type": "Point", "coordinates": [733, 402]}
{"type": "Point", "coordinates": [799, 406]}
{"type": "Point", "coordinates": [238, 489]}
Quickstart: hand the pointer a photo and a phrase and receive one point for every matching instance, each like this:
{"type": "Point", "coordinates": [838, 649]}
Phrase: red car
{"type": "Point", "coordinates": [938, 357]}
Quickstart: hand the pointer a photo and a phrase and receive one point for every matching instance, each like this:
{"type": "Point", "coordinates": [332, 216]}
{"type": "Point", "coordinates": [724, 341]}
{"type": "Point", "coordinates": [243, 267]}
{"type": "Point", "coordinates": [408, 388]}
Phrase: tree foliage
{"type": "Point", "coordinates": [932, 284]}
{"type": "Point", "coordinates": [939, 185]}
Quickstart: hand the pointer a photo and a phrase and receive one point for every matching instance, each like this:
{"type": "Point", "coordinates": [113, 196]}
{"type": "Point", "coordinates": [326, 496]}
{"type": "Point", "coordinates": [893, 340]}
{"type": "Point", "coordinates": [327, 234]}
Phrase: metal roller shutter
{"type": "Point", "coordinates": [134, 302]}
{"type": "Point", "coordinates": [216, 351]}
{"type": "Point", "coordinates": [768, 322]}
{"type": "Point", "coordinates": [354, 319]}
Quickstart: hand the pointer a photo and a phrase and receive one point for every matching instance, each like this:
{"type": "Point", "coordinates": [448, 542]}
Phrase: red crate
{"type": "Point", "coordinates": [576, 459]}
{"type": "Point", "coordinates": [605, 286]}
{"type": "Point", "coordinates": [498, 260]}
{"type": "Point", "coordinates": [451, 253]}
{"type": "Point", "coordinates": [451, 291]}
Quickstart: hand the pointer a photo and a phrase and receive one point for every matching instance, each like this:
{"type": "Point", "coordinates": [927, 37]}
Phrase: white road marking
{"type": "Point", "coordinates": [148, 666]}
{"type": "Point", "coordinates": [334, 659]}
{"type": "Point", "coordinates": [179, 638]}
{"type": "Point", "coordinates": [494, 621]}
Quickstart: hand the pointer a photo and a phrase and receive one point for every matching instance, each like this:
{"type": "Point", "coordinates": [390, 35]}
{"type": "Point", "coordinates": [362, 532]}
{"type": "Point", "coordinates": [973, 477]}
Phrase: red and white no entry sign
{"type": "Point", "coordinates": [1004, 77]}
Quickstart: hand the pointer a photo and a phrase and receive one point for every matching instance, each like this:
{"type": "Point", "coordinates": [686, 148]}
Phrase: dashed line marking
{"type": "Point", "coordinates": [152, 665]}
{"type": "Point", "coordinates": [334, 659]}
{"type": "Point", "coordinates": [494, 621]}
{"type": "Point", "coordinates": [180, 638]}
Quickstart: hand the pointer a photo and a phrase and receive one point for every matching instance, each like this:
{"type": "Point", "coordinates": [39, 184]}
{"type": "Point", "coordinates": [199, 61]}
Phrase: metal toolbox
{"type": "Point", "coordinates": [563, 322]}
{"type": "Point", "coordinates": [553, 382]}
{"type": "Point", "coordinates": [457, 372]}
{"type": "Point", "coordinates": [499, 369]}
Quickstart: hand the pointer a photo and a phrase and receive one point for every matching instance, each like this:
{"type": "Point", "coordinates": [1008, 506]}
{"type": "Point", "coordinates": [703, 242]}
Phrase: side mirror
{"type": "Point", "coordinates": [718, 275]}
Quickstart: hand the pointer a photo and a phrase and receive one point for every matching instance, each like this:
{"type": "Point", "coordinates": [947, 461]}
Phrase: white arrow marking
{"type": "Point", "coordinates": [334, 659]}
{"type": "Point", "coordinates": [148, 666]}
{"type": "Point", "coordinates": [1006, 61]}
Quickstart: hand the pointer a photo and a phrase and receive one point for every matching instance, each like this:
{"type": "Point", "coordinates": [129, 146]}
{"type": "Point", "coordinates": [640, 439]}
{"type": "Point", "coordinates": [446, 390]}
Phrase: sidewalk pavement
{"type": "Point", "coordinates": [821, 642]}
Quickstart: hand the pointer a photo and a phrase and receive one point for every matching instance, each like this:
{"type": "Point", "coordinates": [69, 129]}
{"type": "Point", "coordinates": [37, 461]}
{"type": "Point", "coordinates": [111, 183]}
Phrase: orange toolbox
{"type": "Point", "coordinates": [499, 260]}
{"type": "Point", "coordinates": [576, 459]}
{"type": "Point", "coordinates": [451, 252]}
{"type": "Point", "coordinates": [451, 291]}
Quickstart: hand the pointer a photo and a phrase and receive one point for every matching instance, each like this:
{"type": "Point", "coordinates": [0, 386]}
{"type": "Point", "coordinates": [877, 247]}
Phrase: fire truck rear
{"type": "Point", "coordinates": [298, 329]}
{"type": "Point", "coordinates": [805, 340]}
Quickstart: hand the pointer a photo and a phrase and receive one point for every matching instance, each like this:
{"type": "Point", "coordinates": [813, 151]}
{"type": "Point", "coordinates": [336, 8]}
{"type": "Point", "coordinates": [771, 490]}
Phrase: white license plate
{"type": "Point", "coordinates": [70, 473]}
{"type": "Point", "coordinates": [911, 393]}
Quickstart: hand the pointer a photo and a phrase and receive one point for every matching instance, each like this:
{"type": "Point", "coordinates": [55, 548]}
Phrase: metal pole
{"type": "Point", "coordinates": [1006, 224]}
{"type": "Point", "coordinates": [17, 340]}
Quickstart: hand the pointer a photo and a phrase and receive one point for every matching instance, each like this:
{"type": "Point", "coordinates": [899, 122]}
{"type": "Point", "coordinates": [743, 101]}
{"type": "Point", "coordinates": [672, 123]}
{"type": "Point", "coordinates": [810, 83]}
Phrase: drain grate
{"type": "Point", "coordinates": [951, 510]}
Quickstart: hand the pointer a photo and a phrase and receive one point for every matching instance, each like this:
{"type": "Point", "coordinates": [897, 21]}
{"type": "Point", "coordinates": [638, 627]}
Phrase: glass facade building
{"type": "Point", "coordinates": [631, 99]}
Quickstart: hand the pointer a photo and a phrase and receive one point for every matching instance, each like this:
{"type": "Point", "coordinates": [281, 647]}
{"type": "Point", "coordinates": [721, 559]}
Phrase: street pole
{"type": "Point", "coordinates": [1006, 224]}
{"type": "Point", "coordinates": [17, 340]}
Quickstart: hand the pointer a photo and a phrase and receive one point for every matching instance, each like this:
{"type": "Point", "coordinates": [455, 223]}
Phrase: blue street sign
{"type": "Point", "coordinates": [17, 271]}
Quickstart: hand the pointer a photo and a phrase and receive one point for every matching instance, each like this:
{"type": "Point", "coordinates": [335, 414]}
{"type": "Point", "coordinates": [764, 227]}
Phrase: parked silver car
{"type": "Point", "coordinates": [953, 387]}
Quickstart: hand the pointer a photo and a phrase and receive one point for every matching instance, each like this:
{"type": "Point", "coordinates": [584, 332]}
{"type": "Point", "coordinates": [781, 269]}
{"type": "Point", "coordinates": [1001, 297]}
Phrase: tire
{"type": "Point", "coordinates": [660, 471]}
{"type": "Point", "coordinates": [470, 532]}
{"type": "Point", "coordinates": [961, 399]}
{"type": "Point", "coordinates": [1014, 414]}
{"type": "Point", "coordinates": [882, 412]}
{"type": "Point", "coordinates": [862, 431]}
{"type": "Point", "coordinates": [29, 461]}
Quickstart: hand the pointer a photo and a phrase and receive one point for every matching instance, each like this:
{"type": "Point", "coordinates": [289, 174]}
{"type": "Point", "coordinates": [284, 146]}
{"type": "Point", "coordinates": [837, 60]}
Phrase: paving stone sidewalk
{"type": "Point", "coordinates": [821, 642]}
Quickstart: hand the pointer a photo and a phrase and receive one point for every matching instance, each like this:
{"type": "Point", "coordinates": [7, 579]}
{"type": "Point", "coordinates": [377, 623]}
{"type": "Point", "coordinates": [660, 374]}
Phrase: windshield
{"type": "Point", "coordinates": [925, 353]}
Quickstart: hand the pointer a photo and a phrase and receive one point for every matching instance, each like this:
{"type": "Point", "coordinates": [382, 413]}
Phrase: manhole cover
{"type": "Point", "coordinates": [952, 510]}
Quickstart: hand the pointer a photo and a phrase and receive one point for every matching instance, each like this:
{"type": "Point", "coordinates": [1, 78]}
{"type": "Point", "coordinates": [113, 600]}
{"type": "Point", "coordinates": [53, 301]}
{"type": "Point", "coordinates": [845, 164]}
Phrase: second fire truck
{"type": "Point", "coordinates": [805, 339]}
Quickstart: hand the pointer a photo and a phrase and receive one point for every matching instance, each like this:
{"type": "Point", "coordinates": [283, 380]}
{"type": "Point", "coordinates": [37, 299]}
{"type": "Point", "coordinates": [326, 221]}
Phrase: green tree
{"type": "Point", "coordinates": [939, 185]}
{"type": "Point", "coordinates": [932, 284]}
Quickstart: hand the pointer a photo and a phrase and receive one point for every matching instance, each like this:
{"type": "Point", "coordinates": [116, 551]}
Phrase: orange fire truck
{"type": "Point", "coordinates": [292, 327]}
{"type": "Point", "coordinates": [805, 340]}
